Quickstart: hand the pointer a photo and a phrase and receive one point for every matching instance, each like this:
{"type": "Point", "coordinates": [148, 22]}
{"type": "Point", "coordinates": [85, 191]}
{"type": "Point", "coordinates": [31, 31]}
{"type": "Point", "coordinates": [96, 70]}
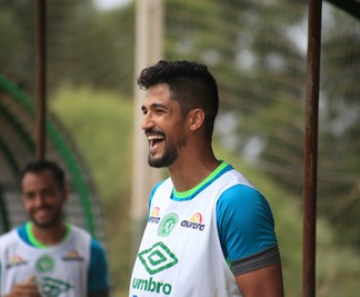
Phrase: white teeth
{"type": "Point", "coordinates": [154, 137]}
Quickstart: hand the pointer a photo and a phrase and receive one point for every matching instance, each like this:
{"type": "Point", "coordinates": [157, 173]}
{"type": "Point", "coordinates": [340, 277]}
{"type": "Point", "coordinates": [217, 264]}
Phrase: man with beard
{"type": "Point", "coordinates": [210, 232]}
{"type": "Point", "coordinates": [47, 256]}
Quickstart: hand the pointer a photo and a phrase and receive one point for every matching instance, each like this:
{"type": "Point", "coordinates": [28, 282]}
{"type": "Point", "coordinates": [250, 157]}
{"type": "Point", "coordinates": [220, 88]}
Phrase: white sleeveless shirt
{"type": "Point", "coordinates": [180, 253]}
{"type": "Point", "coordinates": [61, 270]}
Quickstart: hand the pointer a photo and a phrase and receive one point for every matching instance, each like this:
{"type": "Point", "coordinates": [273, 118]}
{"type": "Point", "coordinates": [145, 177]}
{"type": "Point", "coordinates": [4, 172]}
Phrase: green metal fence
{"type": "Point", "coordinates": [17, 146]}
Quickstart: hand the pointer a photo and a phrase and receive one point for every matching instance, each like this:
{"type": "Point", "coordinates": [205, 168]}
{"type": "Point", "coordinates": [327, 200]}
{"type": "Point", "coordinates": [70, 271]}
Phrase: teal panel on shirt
{"type": "Point", "coordinates": [98, 274]}
{"type": "Point", "coordinates": [245, 222]}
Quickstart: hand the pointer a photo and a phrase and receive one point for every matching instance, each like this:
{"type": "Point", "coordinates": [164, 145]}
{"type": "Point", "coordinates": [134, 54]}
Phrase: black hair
{"type": "Point", "coordinates": [190, 83]}
{"type": "Point", "coordinates": [38, 166]}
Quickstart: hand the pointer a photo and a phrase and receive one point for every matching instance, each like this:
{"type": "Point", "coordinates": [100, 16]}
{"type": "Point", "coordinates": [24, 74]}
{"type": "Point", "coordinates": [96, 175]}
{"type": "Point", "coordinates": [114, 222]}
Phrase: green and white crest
{"type": "Point", "coordinates": [45, 264]}
{"type": "Point", "coordinates": [167, 224]}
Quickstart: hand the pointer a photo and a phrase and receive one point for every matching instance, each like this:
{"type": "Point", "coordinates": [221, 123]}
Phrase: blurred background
{"type": "Point", "coordinates": [256, 51]}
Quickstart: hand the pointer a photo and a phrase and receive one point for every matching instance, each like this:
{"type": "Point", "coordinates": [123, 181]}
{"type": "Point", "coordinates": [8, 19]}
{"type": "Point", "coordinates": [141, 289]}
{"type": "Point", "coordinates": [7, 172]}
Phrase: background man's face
{"type": "Point", "coordinates": [43, 199]}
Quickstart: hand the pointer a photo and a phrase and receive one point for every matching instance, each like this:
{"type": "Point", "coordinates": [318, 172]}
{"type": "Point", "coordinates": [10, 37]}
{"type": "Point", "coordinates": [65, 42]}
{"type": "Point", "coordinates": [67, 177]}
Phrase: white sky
{"type": "Point", "coordinates": [108, 4]}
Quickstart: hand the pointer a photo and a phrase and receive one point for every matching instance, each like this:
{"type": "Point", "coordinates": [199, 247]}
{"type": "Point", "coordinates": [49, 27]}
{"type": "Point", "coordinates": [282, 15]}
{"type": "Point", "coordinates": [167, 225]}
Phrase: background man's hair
{"type": "Point", "coordinates": [38, 166]}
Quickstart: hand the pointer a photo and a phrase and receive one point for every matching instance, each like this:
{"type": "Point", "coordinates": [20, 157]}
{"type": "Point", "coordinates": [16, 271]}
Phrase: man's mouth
{"type": "Point", "coordinates": [154, 141]}
{"type": "Point", "coordinates": [44, 211]}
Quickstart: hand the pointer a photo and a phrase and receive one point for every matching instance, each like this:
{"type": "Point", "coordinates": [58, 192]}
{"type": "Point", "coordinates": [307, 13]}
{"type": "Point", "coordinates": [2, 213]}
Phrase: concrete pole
{"type": "Point", "coordinates": [149, 45]}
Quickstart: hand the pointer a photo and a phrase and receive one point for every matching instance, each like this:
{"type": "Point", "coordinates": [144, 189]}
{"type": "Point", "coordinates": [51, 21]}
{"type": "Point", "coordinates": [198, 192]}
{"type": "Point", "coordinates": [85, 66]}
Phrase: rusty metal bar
{"type": "Point", "coordinates": [311, 147]}
{"type": "Point", "coordinates": [41, 79]}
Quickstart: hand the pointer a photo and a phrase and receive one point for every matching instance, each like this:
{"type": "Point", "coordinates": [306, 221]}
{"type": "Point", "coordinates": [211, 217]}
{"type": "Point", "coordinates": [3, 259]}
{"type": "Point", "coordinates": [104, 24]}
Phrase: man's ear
{"type": "Point", "coordinates": [196, 118]}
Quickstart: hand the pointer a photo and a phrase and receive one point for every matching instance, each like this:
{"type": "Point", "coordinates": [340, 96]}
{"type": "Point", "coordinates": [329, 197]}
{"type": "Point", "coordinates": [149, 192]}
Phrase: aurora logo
{"type": "Point", "coordinates": [195, 222]}
{"type": "Point", "coordinates": [154, 215]}
{"type": "Point", "coordinates": [16, 261]}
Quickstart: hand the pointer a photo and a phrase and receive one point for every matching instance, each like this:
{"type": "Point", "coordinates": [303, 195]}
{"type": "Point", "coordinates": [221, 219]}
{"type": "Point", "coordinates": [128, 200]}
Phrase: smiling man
{"type": "Point", "coordinates": [48, 256]}
{"type": "Point", "coordinates": [210, 232]}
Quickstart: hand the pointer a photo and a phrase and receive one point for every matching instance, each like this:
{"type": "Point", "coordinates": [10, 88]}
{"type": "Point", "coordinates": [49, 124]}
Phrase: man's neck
{"type": "Point", "coordinates": [48, 236]}
{"type": "Point", "coordinates": [187, 175]}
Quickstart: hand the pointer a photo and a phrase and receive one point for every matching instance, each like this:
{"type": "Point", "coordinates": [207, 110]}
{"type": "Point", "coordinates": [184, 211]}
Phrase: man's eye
{"type": "Point", "coordinates": [159, 111]}
{"type": "Point", "coordinates": [30, 196]}
{"type": "Point", "coordinates": [48, 192]}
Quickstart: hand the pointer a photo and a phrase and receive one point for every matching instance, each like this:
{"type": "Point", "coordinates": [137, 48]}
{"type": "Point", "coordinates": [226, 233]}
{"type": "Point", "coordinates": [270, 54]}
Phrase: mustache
{"type": "Point", "coordinates": [154, 131]}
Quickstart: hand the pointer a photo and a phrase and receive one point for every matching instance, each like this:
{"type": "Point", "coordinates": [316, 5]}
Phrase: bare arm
{"type": "Point", "coordinates": [264, 282]}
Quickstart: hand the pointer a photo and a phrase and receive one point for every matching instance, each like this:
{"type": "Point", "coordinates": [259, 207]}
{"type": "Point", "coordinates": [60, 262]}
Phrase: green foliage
{"type": "Point", "coordinates": [83, 45]}
{"type": "Point", "coordinates": [97, 120]}
{"type": "Point", "coordinates": [340, 127]}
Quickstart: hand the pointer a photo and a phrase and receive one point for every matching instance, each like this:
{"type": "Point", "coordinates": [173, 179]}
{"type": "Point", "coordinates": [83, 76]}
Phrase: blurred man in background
{"type": "Point", "coordinates": [47, 256]}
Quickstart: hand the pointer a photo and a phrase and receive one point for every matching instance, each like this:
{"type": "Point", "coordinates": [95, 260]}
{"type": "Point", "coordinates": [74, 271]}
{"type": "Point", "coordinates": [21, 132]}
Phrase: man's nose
{"type": "Point", "coordinates": [147, 122]}
{"type": "Point", "coordinates": [39, 200]}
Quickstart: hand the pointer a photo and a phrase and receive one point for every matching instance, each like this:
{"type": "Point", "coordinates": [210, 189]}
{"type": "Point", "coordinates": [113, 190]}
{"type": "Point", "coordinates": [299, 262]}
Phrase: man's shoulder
{"type": "Point", "coordinates": [164, 184]}
{"type": "Point", "coordinates": [235, 177]}
{"type": "Point", "coordinates": [8, 238]}
{"type": "Point", "coordinates": [9, 233]}
{"type": "Point", "coordinates": [80, 232]}
{"type": "Point", "coordinates": [78, 229]}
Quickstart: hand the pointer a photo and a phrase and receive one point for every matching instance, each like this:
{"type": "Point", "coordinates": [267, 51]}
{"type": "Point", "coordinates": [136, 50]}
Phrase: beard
{"type": "Point", "coordinates": [166, 160]}
{"type": "Point", "coordinates": [170, 155]}
{"type": "Point", "coordinates": [54, 221]}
